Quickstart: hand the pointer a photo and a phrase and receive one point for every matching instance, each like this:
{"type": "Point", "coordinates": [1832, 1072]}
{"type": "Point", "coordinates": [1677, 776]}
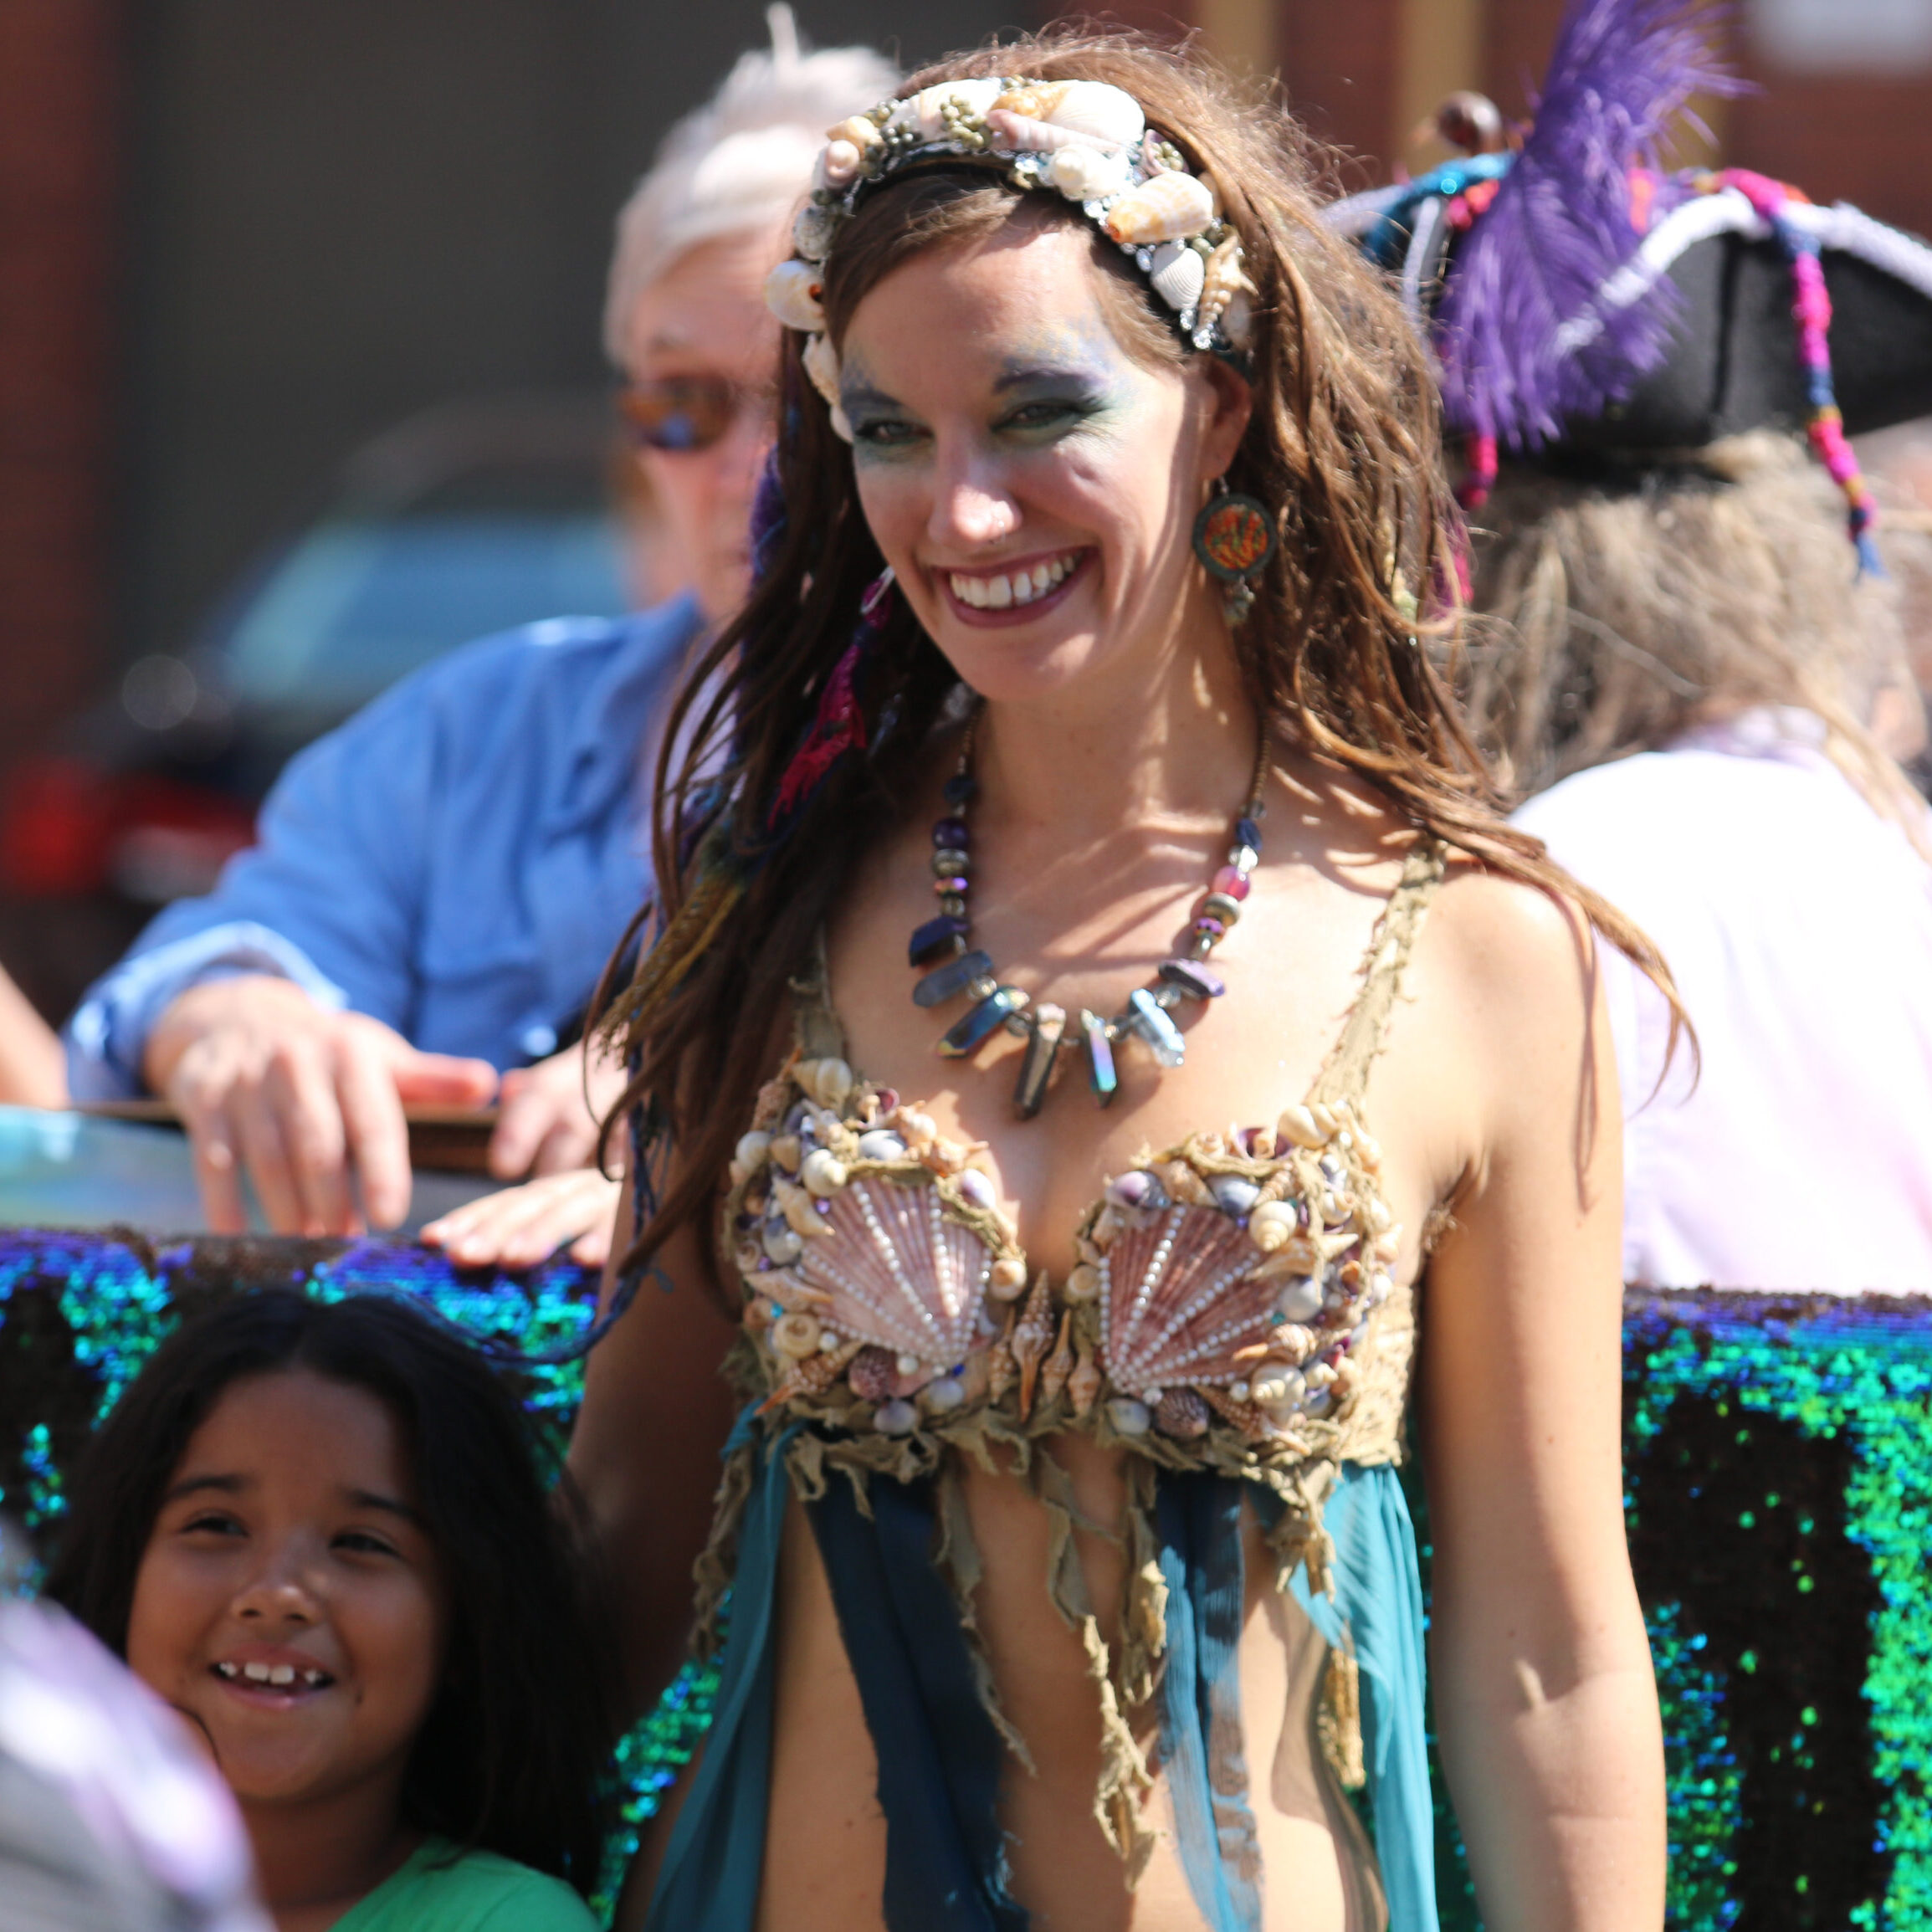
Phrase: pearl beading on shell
{"type": "Point", "coordinates": [876, 1228]}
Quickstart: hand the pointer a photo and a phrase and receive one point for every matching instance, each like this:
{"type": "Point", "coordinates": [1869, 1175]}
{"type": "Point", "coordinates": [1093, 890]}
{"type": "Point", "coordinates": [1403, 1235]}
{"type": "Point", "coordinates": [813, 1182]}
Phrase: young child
{"type": "Point", "coordinates": [318, 1531]}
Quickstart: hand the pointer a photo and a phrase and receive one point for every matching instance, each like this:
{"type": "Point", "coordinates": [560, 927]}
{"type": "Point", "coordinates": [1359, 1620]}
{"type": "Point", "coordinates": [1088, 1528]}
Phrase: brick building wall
{"type": "Point", "coordinates": [58, 270]}
{"type": "Point", "coordinates": [1361, 74]}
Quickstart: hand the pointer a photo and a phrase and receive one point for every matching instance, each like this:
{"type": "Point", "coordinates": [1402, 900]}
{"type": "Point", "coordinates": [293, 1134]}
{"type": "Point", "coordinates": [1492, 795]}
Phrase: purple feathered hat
{"type": "Point", "coordinates": [1578, 299]}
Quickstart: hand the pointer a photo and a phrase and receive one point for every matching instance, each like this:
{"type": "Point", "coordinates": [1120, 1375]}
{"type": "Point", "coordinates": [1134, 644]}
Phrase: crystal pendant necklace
{"type": "Point", "coordinates": [945, 945]}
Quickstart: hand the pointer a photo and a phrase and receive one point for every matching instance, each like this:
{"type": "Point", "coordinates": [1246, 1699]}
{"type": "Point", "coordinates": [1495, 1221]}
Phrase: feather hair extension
{"type": "Point", "coordinates": [1524, 340]}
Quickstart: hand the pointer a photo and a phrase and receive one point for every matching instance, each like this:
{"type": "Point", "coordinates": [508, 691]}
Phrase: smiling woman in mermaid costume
{"type": "Point", "coordinates": [1070, 1581]}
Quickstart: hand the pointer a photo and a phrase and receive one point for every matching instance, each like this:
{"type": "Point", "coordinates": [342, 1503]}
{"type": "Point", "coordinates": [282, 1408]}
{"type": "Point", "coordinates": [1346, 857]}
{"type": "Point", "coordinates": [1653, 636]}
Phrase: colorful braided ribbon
{"type": "Point", "coordinates": [1812, 310]}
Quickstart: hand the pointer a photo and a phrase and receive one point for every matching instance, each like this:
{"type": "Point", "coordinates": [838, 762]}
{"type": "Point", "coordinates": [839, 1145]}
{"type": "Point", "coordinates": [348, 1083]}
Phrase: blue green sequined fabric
{"type": "Point", "coordinates": [1779, 1476]}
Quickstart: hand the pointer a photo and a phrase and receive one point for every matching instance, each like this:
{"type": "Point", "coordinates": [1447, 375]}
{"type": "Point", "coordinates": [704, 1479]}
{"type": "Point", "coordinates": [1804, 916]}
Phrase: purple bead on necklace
{"type": "Point", "coordinates": [944, 944]}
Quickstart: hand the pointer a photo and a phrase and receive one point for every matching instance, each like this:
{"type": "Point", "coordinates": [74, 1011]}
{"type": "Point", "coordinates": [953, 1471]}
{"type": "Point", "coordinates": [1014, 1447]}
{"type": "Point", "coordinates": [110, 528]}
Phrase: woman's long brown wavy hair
{"type": "Point", "coordinates": [1343, 438]}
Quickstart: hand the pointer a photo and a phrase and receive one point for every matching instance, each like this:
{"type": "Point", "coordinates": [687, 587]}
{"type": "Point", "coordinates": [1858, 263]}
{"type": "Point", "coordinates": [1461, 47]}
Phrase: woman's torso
{"type": "Point", "coordinates": [1292, 971]}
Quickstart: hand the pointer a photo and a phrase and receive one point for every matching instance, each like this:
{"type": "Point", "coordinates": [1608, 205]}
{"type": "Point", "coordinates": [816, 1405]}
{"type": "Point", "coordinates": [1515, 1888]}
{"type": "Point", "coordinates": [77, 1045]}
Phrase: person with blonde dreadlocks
{"type": "Point", "coordinates": [1063, 1266]}
{"type": "Point", "coordinates": [1682, 658]}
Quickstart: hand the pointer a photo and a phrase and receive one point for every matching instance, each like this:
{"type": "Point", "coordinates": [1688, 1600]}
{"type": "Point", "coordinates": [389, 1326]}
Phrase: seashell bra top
{"type": "Point", "coordinates": [1231, 1308]}
{"type": "Point", "coordinates": [1231, 1314]}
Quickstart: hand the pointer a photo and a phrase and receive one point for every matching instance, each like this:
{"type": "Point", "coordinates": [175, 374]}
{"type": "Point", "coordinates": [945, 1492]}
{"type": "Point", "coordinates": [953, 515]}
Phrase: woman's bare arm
{"type": "Point", "coordinates": [655, 1415]}
{"type": "Point", "coordinates": [1543, 1683]}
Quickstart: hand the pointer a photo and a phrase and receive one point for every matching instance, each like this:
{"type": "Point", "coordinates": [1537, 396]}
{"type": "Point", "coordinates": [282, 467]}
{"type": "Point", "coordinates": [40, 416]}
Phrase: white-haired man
{"type": "Point", "coordinates": [439, 881]}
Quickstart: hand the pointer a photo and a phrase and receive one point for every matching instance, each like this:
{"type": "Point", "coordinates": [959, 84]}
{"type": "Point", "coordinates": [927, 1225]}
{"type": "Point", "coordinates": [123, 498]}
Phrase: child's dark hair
{"type": "Point", "coordinates": [510, 1757]}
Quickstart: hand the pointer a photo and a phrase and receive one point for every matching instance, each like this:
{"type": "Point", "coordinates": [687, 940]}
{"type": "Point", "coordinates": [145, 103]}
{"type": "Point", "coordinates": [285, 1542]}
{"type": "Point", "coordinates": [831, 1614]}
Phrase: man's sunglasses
{"type": "Point", "coordinates": [680, 414]}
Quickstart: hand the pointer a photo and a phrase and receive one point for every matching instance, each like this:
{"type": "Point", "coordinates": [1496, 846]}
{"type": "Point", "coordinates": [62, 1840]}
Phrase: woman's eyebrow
{"type": "Point", "coordinates": [1022, 375]}
{"type": "Point", "coordinates": [866, 397]}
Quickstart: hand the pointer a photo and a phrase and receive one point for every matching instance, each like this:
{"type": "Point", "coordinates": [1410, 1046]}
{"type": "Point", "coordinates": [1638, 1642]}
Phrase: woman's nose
{"type": "Point", "coordinates": [970, 510]}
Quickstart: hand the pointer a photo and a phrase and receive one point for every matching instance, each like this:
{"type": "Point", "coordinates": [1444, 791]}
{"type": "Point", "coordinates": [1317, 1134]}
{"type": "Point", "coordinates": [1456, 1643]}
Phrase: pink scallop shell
{"type": "Point", "coordinates": [1179, 1301]}
{"type": "Point", "coordinates": [899, 1271]}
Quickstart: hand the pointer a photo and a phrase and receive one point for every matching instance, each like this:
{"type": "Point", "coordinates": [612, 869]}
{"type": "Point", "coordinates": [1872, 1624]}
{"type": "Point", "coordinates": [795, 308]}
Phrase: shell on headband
{"type": "Point", "coordinates": [791, 293]}
{"type": "Point", "coordinates": [1086, 140]}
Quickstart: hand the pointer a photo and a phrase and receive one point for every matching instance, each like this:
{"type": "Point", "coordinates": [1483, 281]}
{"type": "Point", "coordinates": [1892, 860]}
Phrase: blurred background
{"type": "Point", "coordinates": [299, 374]}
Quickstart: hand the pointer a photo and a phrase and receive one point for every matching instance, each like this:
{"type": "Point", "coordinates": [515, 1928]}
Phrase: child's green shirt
{"type": "Point", "coordinates": [442, 1889]}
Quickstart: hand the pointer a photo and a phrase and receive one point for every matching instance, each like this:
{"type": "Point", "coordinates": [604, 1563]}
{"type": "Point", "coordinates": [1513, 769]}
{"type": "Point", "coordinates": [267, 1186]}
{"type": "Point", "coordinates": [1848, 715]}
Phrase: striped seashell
{"type": "Point", "coordinates": [801, 1216]}
{"type": "Point", "coordinates": [1021, 134]}
{"type": "Point", "coordinates": [1251, 1420]}
{"type": "Point", "coordinates": [1182, 1303]}
{"type": "Point", "coordinates": [1299, 1125]}
{"type": "Point", "coordinates": [1031, 1336]}
{"type": "Point", "coordinates": [821, 365]}
{"type": "Point", "coordinates": [1058, 1367]}
{"type": "Point", "coordinates": [899, 1271]}
{"type": "Point", "coordinates": [1001, 1370]}
{"type": "Point", "coordinates": [812, 1377]}
{"type": "Point", "coordinates": [1034, 99]}
{"type": "Point", "coordinates": [1225, 277]}
{"type": "Point", "coordinates": [1184, 1185]}
{"type": "Point", "coordinates": [1098, 112]}
{"type": "Point", "coordinates": [1178, 273]}
{"type": "Point", "coordinates": [1083, 1384]}
{"type": "Point", "coordinates": [1168, 208]}
{"type": "Point", "coordinates": [1300, 1253]}
{"type": "Point", "coordinates": [783, 1286]}
{"type": "Point", "coordinates": [1183, 1414]}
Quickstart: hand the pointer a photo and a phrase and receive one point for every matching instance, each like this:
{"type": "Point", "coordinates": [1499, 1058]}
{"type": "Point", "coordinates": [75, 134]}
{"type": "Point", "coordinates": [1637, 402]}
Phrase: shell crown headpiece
{"type": "Point", "coordinates": [1085, 140]}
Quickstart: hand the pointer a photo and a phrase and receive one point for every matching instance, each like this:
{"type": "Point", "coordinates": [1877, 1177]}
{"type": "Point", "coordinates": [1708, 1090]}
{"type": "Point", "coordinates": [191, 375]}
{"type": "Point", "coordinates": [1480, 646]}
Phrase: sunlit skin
{"type": "Point", "coordinates": [289, 1538]}
{"type": "Point", "coordinates": [999, 422]}
{"type": "Point", "coordinates": [1035, 451]}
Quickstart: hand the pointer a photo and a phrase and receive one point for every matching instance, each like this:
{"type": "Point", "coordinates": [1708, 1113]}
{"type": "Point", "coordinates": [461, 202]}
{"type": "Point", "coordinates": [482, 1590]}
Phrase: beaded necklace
{"type": "Point", "coordinates": [945, 945]}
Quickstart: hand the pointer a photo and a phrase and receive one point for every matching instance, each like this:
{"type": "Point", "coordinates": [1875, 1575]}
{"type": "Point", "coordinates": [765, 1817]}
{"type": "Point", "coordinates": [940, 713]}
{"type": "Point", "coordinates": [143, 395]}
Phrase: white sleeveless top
{"type": "Point", "coordinates": [1798, 925]}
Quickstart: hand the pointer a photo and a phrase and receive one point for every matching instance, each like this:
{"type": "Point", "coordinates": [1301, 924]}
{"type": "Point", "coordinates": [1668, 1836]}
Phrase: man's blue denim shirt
{"type": "Point", "coordinates": [458, 860]}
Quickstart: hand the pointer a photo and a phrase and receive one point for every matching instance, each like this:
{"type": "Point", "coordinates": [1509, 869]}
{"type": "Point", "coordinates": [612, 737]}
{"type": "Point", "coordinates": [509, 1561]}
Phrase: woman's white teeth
{"type": "Point", "coordinates": [1021, 587]}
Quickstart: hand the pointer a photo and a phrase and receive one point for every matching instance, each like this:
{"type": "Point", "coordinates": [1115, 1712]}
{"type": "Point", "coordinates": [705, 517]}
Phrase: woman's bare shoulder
{"type": "Point", "coordinates": [1517, 964]}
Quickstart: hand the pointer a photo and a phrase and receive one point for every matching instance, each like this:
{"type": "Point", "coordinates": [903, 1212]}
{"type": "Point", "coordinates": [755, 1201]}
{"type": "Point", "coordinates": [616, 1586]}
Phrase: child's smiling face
{"type": "Point", "coordinates": [289, 1601]}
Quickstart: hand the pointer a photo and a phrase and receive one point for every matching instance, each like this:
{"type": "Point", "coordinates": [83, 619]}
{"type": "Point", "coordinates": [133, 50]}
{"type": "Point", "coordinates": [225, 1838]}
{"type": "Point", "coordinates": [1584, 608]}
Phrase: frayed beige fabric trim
{"type": "Point", "coordinates": [1125, 1779]}
{"type": "Point", "coordinates": [957, 1560]}
{"type": "Point", "coordinates": [1345, 1074]}
{"type": "Point", "coordinates": [1337, 1719]}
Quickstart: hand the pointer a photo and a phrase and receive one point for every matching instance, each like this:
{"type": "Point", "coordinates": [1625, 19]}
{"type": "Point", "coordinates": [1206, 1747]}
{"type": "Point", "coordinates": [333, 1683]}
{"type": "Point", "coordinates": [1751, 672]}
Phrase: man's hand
{"type": "Point", "coordinates": [547, 1125]}
{"type": "Point", "coordinates": [308, 1101]}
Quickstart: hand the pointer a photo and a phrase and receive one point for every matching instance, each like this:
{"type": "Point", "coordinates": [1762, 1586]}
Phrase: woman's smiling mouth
{"type": "Point", "coordinates": [1014, 592]}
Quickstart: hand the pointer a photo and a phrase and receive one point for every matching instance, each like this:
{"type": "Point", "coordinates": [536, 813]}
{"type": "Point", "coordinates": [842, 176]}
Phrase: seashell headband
{"type": "Point", "coordinates": [1084, 139]}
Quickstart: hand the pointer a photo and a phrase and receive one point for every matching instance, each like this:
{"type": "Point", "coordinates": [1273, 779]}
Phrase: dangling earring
{"type": "Point", "coordinates": [1234, 538]}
